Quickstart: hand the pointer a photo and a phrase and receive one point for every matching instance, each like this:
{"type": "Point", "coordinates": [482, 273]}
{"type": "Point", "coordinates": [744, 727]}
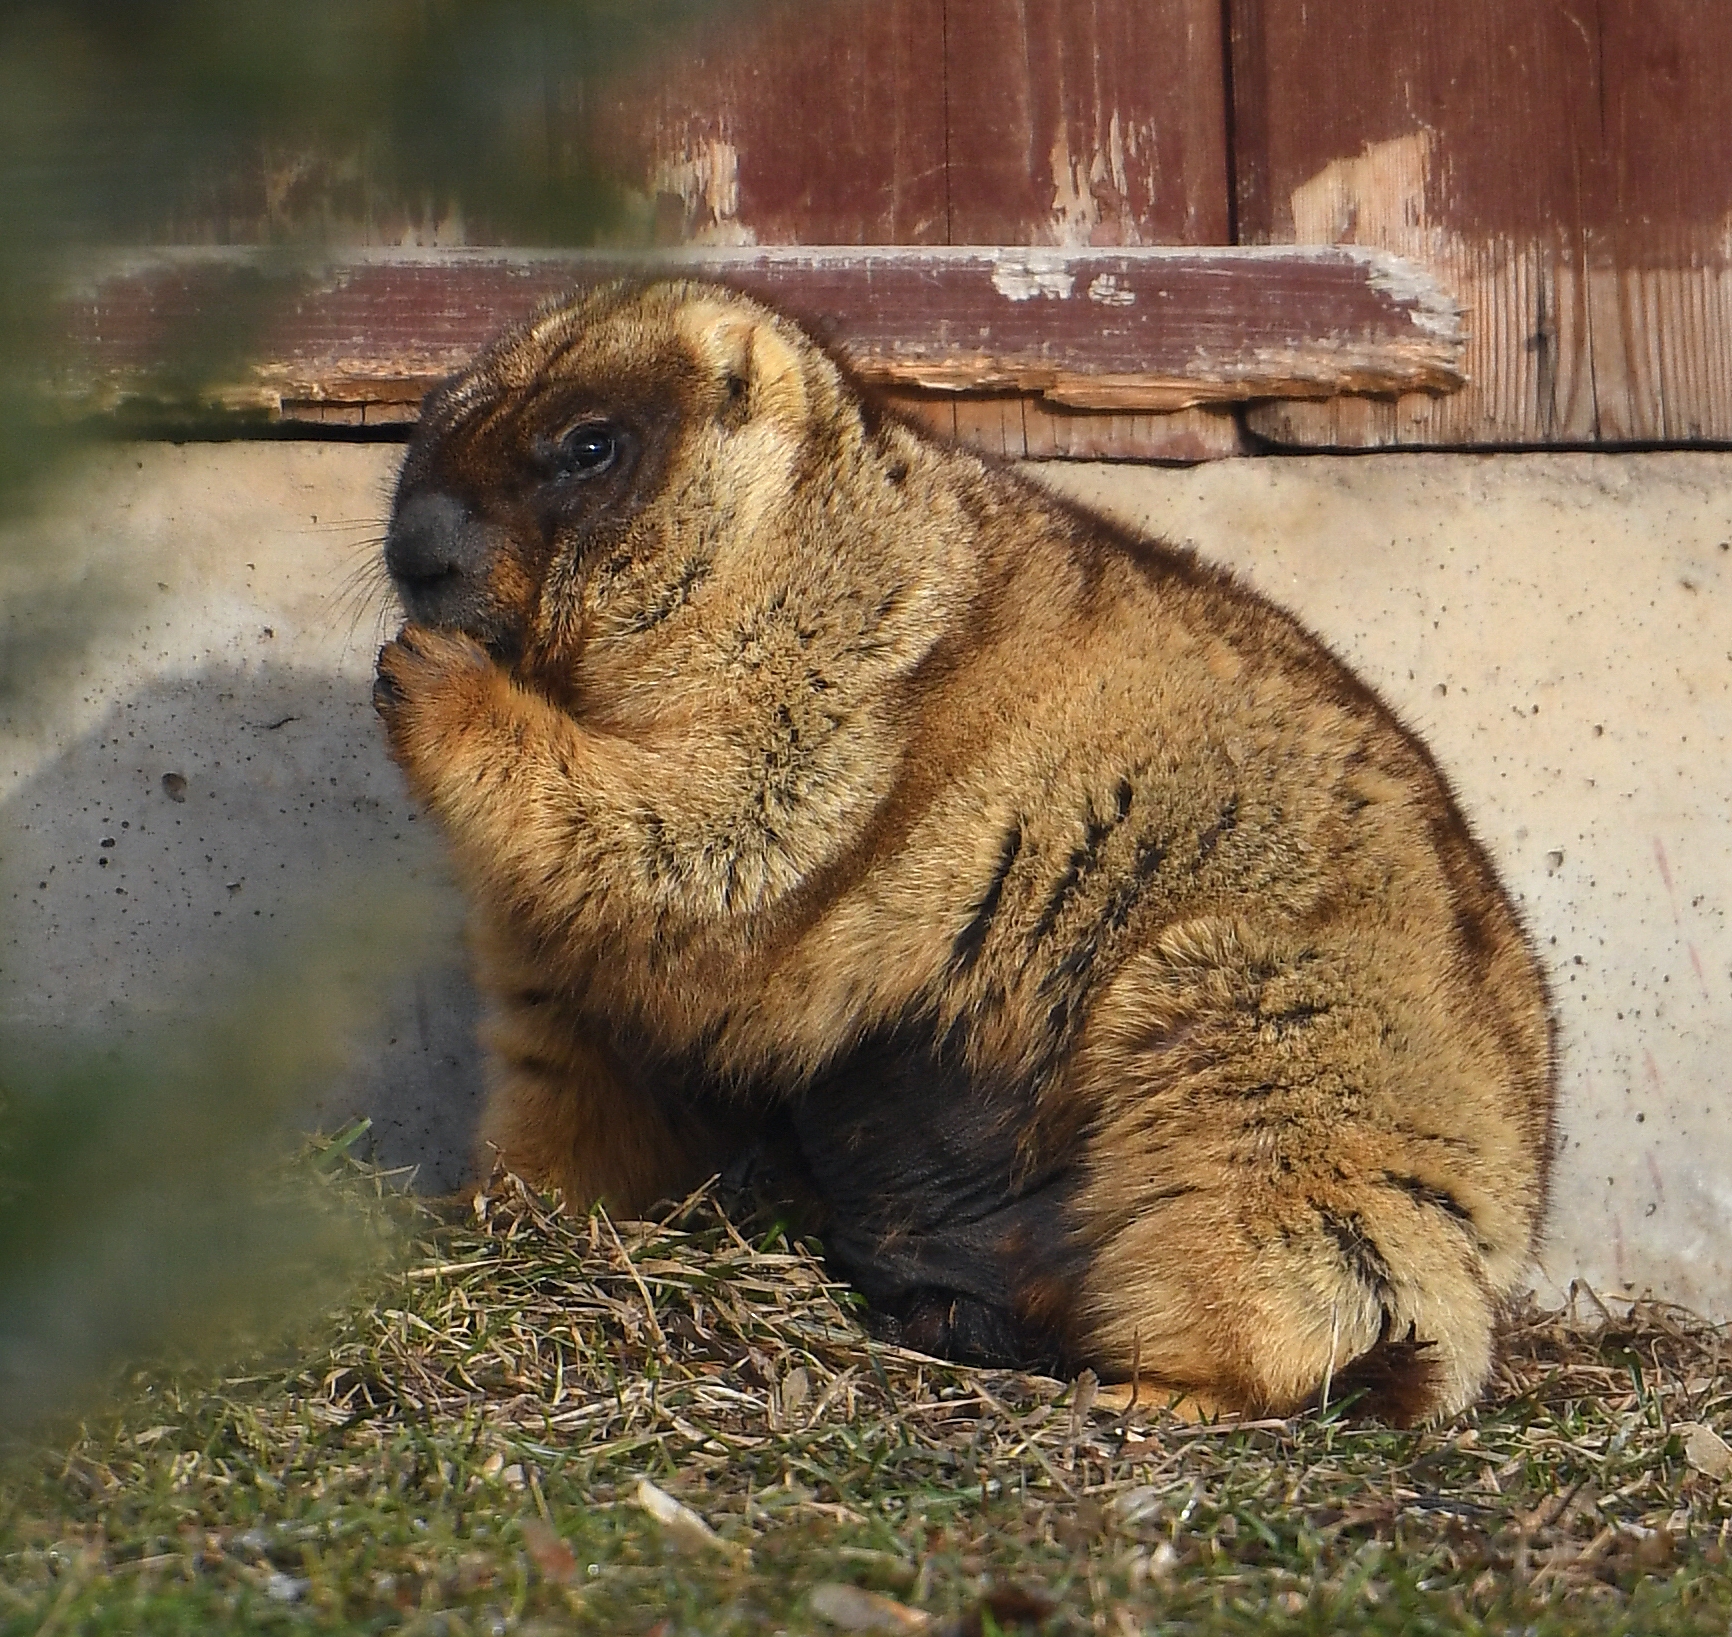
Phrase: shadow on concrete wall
{"type": "Point", "coordinates": [187, 837]}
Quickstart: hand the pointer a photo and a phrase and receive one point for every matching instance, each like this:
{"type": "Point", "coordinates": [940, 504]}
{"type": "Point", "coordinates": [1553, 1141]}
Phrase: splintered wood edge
{"type": "Point", "coordinates": [1148, 332]}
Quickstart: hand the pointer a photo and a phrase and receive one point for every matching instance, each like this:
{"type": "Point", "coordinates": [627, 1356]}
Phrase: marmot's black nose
{"type": "Point", "coordinates": [434, 538]}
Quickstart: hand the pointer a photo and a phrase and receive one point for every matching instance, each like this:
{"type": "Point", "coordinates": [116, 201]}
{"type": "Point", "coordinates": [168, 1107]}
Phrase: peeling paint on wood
{"type": "Point", "coordinates": [1086, 125]}
{"type": "Point", "coordinates": [706, 182]}
{"type": "Point", "coordinates": [782, 122]}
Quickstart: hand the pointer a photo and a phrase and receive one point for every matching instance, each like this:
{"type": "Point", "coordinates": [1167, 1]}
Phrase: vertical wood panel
{"type": "Point", "coordinates": [807, 122]}
{"type": "Point", "coordinates": [1189, 435]}
{"type": "Point", "coordinates": [1086, 122]}
{"type": "Point", "coordinates": [929, 121]}
{"type": "Point", "coordinates": [1505, 87]}
{"type": "Point", "coordinates": [1665, 166]}
{"type": "Point", "coordinates": [1566, 169]}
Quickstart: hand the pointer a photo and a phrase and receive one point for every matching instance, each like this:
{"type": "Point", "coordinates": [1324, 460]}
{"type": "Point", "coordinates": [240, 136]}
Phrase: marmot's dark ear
{"type": "Point", "coordinates": [758, 369]}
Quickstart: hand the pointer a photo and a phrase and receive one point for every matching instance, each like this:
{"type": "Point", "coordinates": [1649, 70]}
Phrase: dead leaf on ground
{"type": "Point", "coordinates": [1706, 1450]}
{"type": "Point", "coordinates": [795, 1390]}
{"type": "Point", "coordinates": [855, 1609]}
{"type": "Point", "coordinates": [684, 1528]}
{"type": "Point", "coordinates": [1083, 1396]}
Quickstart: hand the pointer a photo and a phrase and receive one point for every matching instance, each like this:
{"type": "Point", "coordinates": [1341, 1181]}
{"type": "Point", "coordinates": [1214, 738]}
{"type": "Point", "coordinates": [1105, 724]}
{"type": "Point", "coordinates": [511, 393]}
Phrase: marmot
{"type": "Point", "coordinates": [1131, 985]}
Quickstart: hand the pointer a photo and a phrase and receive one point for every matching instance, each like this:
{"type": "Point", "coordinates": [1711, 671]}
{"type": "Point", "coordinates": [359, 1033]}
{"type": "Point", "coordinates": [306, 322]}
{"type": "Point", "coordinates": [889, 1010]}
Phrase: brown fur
{"type": "Point", "coordinates": [1128, 979]}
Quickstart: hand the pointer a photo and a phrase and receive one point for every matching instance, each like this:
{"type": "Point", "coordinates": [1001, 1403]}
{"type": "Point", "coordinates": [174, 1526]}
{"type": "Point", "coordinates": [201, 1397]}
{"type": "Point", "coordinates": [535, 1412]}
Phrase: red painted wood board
{"type": "Point", "coordinates": [1142, 330]}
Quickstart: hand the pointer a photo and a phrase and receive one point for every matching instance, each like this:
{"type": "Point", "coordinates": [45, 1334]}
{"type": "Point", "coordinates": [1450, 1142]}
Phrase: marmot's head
{"type": "Point", "coordinates": [579, 478]}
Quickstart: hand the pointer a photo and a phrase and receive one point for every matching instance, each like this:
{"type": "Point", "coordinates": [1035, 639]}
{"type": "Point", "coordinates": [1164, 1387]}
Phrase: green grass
{"type": "Point", "coordinates": [461, 1450]}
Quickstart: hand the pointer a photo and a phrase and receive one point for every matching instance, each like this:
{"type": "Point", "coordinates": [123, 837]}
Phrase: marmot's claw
{"type": "Point", "coordinates": [387, 696]}
{"type": "Point", "coordinates": [420, 663]}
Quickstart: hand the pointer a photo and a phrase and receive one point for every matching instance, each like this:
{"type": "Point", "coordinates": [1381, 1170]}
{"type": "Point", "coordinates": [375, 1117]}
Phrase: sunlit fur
{"type": "Point", "coordinates": [826, 772]}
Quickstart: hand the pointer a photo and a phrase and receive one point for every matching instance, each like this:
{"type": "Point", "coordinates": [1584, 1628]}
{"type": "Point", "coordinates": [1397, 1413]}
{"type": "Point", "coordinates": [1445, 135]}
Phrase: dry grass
{"type": "Point", "coordinates": [467, 1451]}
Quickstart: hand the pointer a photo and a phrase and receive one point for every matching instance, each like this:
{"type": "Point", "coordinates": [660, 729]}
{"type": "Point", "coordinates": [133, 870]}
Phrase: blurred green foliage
{"type": "Point", "coordinates": [290, 122]}
{"type": "Point", "coordinates": [146, 1198]}
{"type": "Point", "coordinates": [137, 1205]}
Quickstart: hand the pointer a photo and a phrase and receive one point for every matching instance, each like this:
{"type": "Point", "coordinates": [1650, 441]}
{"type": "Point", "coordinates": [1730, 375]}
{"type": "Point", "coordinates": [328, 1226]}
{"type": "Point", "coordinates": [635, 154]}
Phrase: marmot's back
{"type": "Point", "coordinates": [1133, 988]}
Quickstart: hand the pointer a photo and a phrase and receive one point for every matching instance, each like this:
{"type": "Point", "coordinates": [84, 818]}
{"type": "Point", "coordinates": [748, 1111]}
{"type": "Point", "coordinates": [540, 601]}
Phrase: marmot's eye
{"type": "Point", "coordinates": [587, 450]}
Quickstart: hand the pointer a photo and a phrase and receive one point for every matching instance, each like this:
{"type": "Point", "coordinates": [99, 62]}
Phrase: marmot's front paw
{"type": "Point", "coordinates": [422, 674]}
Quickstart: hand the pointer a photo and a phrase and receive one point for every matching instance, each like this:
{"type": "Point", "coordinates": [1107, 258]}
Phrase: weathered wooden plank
{"type": "Point", "coordinates": [1143, 330]}
{"type": "Point", "coordinates": [1021, 427]}
{"type": "Point", "coordinates": [1051, 432]}
{"type": "Point", "coordinates": [992, 424]}
{"type": "Point", "coordinates": [1564, 169]}
{"type": "Point", "coordinates": [1100, 124]}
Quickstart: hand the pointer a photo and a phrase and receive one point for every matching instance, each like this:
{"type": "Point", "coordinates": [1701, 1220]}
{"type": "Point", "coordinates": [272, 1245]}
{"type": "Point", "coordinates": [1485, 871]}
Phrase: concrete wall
{"type": "Point", "coordinates": [207, 614]}
{"type": "Point", "coordinates": [1558, 626]}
